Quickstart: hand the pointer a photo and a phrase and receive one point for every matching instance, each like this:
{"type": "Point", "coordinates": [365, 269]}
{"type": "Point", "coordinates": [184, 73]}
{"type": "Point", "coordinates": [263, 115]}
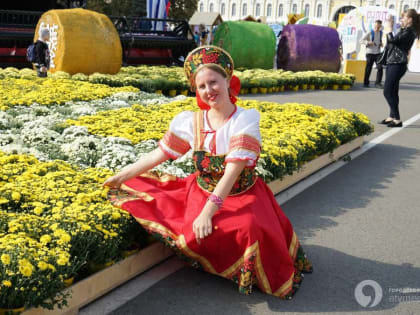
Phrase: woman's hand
{"type": "Point", "coordinates": [146, 163]}
{"type": "Point", "coordinates": [202, 225]}
{"type": "Point", "coordinates": [114, 181]}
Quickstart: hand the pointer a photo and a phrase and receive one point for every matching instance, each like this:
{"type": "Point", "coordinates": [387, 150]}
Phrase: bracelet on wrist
{"type": "Point", "coordinates": [216, 200]}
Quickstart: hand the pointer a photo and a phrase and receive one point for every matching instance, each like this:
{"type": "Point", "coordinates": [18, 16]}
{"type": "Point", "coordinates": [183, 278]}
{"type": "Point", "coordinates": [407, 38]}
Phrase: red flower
{"type": "Point", "coordinates": [205, 163]}
{"type": "Point", "coordinates": [211, 58]}
{"type": "Point", "coordinates": [207, 180]}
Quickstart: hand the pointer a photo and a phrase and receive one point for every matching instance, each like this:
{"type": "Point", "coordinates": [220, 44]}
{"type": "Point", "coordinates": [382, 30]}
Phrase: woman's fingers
{"type": "Point", "coordinates": [209, 227]}
{"type": "Point", "coordinates": [112, 182]}
{"type": "Point", "coordinates": [202, 231]}
{"type": "Point", "coordinates": [109, 182]}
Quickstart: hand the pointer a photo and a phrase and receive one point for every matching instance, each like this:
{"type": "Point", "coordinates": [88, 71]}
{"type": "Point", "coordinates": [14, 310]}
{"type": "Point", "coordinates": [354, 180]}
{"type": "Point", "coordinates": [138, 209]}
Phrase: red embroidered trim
{"type": "Point", "coordinates": [168, 154]}
{"type": "Point", "coordinates": [244, 142]}
{"type": "Point", "coordinates": [175, 143]}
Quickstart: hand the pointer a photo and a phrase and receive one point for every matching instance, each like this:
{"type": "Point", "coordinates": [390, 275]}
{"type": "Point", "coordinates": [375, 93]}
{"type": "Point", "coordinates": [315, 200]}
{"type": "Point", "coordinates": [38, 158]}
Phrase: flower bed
{"type": "Point", "coordinates": [40, 130]}
{"type": "Point", "coordinates": [55, 220]}
{"type": "Point", "coordinates": [50, 91]}
{"type": "Point", "coordinates": [55, 223]}
{"type": "Point", "coordinates": [172, 81]}
{"type": "Point", "coordinates": [292, 133]}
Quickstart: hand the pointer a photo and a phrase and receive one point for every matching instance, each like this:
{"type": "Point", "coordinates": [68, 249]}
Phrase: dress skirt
{"type": "Point", "coordinates": [252, 243]}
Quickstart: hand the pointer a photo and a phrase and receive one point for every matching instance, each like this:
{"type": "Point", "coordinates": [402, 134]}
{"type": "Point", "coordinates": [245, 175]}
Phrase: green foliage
{"type": "Point", "coordinates": [182, 9]}
{"type": "Point", "coordinates": [119, 8]}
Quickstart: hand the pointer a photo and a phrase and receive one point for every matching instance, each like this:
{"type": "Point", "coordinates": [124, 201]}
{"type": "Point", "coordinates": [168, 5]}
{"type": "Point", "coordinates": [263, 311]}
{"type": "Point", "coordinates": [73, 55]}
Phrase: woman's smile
{"type": "Point", "coordinates": [212, 97]}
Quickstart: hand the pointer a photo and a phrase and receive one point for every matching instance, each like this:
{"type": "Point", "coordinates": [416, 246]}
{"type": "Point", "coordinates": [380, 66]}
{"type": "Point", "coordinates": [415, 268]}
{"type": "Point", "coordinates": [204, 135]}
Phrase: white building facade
{"type": "Point", "coordinates": [274, 11]}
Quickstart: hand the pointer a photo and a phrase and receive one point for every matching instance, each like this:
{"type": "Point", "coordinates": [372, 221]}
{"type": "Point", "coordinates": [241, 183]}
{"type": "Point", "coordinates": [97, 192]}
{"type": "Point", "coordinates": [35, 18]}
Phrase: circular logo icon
{"type": "Point", "coordinates": [365, 300]}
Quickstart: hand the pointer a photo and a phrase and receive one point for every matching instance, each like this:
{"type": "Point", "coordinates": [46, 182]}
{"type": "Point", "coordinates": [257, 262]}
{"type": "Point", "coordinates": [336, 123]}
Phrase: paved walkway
{"type": "Point", "coordinates": [361, 222]}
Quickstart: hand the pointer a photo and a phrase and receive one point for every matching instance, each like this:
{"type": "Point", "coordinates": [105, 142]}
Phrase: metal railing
{"type": "Point", "coordinates": [146, 26]}
{"type": "Point", "coordinates": [19, 19]}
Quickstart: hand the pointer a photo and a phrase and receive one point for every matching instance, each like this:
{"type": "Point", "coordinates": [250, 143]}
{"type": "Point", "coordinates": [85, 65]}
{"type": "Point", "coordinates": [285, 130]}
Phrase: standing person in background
{"type": "Point", "coordinates": [203, 35]}
{"type": "Point", "coordinates": [373, 42]}
{"type": "Point", "coordinates": [399, 47]}
{"type": "Point", "coordinates": [197, 38]}
{"type": "Point", "coordinates": [42, 53]}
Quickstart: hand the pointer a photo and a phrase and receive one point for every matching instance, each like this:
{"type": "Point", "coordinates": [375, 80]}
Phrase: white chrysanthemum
{"type": "Point", "coordinates": [26, 117]}
{"type": "Point", "coordinates": [32, 133]}
{"type": "Point", "coordinates": [78, 110]}
{"type": "Point", "coordinates": [73, 132]}
{"type": "Point", "coordinates": [118, 104]}
{"type": "Point", "coordinates": [110, 141]}
{"type": "Point", "coordinates": [125, 96]}
{"type": "Point", "coordinates": [145, 147]}
{"type": "Point", "coordinates": [8, 138]}
{"type": "Point", "coordinates": [4, 123]}
{"type": "Point", "coordinates": [84, 151]}
{"type": "Point", "coordinates": [116, 156]}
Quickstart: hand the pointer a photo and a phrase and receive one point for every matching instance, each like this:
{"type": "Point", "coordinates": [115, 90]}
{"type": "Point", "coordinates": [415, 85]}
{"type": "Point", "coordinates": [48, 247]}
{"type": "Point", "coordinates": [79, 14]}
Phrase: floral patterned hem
{"type": "Point", "coordinates": [247, 274]}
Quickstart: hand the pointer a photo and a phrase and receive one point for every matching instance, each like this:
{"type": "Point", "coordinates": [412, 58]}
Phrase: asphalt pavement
{"type": "Point", "coordinates": [361, 222]}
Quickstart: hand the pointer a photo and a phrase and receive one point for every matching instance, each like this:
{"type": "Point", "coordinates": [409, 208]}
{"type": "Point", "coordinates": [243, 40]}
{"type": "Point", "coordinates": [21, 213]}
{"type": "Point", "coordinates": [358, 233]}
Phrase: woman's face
{"type": "Point", "coordinates": [406, 21]}
{"type": "Point", "coordinates": [212, 87]}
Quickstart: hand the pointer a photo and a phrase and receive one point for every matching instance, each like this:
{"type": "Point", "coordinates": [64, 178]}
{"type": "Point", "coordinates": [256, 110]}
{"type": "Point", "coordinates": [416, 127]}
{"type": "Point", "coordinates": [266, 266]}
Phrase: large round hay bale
{"type": "Point", "coordinates": [309, 47]}
{"type": "Point", "coordinates": [251, 45]}
{"type": "Point", "coordinates": [81, 41]}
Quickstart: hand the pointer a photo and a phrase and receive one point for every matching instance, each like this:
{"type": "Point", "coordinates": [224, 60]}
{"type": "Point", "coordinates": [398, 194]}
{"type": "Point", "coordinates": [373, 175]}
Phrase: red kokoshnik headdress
{"type": "Point", "coordinates": [205, 55]}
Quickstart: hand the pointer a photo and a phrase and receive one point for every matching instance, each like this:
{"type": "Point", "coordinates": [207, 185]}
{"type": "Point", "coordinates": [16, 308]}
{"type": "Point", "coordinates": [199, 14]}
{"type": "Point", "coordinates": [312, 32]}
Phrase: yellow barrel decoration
{"type": "Point", "coordinates": [81, 41]}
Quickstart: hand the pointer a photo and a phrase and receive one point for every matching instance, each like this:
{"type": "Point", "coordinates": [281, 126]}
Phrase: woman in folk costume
{"type": "Point", "coordinates": [223, 218]}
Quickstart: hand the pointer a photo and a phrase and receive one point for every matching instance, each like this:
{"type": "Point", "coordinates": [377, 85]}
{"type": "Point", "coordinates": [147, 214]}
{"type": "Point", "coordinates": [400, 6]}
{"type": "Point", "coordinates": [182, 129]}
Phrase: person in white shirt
{"type": "Point", "coordinates": [373, 42]}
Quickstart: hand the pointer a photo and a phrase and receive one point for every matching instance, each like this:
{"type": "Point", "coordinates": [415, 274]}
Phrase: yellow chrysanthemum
{"type": "Point", "coordinates": [5, 259]}
{"type": "Point", "coordinates": [116, 215]}
{"type": "Point", "coordinates": [42, 265]}
{"type": "Point", "coordinates": [25, 267]}
{"type": "Point", "coordinates": [62, 260]}
{"type": "Point", "coordinates": [16, 196]}
{"type": "Point", "coordinates": [45, 239]}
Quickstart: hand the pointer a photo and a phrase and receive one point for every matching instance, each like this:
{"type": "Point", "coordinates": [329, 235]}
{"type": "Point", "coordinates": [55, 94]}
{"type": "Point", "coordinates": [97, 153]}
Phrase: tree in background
{"type": "Point", "coordinates": [182, 9]}
{"type": "Point", "coordinates": [118, 7]}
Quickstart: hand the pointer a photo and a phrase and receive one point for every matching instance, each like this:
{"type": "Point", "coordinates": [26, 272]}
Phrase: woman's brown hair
{"type": "Point", "coordinates": [412, 13]}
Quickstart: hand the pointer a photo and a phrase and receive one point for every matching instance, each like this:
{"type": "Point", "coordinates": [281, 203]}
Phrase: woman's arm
{"type": "Point", "coordinates": [202, 226]}
{"type": "Point", "coordinates": [401, 36]}
{"type": "Point", "coordinates": [145, 163]}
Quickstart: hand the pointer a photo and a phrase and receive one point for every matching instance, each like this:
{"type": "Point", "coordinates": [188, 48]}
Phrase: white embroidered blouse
{"type": "Point", "coordinates": [239, 138]}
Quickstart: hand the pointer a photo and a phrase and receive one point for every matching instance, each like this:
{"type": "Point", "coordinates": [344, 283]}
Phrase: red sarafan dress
{"type": "Point", "coordinates": [253, 242]}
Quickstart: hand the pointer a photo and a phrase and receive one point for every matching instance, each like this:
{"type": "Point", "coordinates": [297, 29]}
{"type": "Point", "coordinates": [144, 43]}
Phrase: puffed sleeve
{"type": "Point", "coordinates": [178, 139]}
{"type": "Point", "coordinates": [245, 142]}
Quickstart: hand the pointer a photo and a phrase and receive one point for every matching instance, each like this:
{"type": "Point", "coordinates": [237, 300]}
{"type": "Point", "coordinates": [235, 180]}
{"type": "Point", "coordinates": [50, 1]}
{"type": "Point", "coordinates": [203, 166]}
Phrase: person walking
{"type": "Point", "coordinates": [396, 61]}
{"type": "Point", "coordinates": [42, 53]}
{"type": "Point", "coordinates": [373, 42]}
